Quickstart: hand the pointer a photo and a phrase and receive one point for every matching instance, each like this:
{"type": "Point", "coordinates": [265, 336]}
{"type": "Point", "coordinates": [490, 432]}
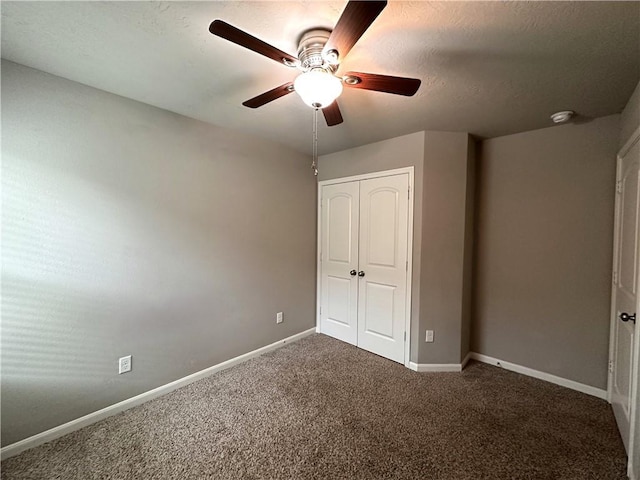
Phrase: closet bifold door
{"type": "Point", "coordinates": [339, 261]}
{"type": "Point", "coordinates": [383, 254]}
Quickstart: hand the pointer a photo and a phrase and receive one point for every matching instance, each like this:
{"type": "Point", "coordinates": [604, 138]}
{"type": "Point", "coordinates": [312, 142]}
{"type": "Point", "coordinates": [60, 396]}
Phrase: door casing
{"type": "Point", "coordinates": [367, 176]}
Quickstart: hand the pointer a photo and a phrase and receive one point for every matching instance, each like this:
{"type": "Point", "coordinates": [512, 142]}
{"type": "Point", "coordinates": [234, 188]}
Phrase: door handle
{"type": "Point", "coordinates": [625, 317]}
{"type": "Point", "coordinates": [361, 273]}
{"type": "Point", "coordinates": [352, 273]}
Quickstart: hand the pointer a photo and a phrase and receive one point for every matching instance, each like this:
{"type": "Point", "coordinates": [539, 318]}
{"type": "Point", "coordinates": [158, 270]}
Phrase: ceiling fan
{"type": "Point", "coordinates": [320, 52]}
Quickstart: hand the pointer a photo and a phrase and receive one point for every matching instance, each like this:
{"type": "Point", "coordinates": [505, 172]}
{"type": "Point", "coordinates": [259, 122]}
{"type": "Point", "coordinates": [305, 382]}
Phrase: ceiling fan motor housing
{"type": "Point", "coordinates": [310, 50]}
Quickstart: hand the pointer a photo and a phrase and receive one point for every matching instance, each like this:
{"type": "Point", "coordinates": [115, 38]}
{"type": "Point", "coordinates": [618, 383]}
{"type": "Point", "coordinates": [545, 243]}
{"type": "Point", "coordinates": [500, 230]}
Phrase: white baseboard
{"type": "Point", "coordinates": [440, 367]}
{"type": "Point", "coordinates": [64, 429]}
{"type": "Point", "coordinates": [580, 387]}
{"type": "Point", "coordinates": [435, 367]}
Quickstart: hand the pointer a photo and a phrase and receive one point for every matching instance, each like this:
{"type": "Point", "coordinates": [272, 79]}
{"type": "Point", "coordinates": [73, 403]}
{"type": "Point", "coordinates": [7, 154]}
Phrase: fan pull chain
{"type": "Point", "coordinates": [314, 161]}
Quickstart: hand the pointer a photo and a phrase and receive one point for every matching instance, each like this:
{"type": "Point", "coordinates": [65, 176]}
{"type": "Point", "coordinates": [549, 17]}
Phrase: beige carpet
{"type": "Point", "coordinates": [321, 409]}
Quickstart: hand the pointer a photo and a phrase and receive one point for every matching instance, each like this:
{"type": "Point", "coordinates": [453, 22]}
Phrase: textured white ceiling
{"type": "Point", "coordinates": [488, 68]}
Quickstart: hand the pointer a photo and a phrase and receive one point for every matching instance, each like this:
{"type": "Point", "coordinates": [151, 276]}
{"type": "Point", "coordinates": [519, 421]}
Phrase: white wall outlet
{"type": "Point", "coordinates": [279, 317]}
{"type": "Point", "coordinates": [124, 364]}
{"type": "Point", "coordinates": [429, 336]}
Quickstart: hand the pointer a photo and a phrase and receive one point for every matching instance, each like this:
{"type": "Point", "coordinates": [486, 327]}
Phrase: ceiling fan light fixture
{"type": "Point", "coordinates": [318, 88]}
{"type": "Point", "coordinates": [331, 57]}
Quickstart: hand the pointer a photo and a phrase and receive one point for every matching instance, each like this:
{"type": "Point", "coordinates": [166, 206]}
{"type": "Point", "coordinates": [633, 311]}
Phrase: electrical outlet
{"type": "Point", "coordinates": [124, 364]}
{"type": "Point", "coordinates": [429, 336]}
{"type": "Point", "coordinates": [279, 317]}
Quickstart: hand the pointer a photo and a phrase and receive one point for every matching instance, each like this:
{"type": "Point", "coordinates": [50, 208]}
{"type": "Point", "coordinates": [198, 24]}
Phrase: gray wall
{"type": "Point", "coordinates": [127, 229]}
{"type": "Point", "coordinates": [544, 249]}
{"type": "Point", "coordinates": [447, 165]}
{"type": "Point", "coordinates": [399, 152]}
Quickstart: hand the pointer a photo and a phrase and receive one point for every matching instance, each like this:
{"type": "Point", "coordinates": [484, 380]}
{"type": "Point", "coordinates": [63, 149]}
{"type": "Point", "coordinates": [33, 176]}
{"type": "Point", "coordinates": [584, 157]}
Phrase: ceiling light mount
{"type": "Point", "coordinates": [562, 117]}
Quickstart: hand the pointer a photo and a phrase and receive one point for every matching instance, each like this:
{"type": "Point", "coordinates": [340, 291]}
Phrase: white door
{"type": "Point", "coordinates": [363, 263]}
{"type": "Point", "coordinates": [383, 265]}
{"type": "Point", "coordinates": [339, 261]}
{"type": "Point", "coordinates": [625, 287]}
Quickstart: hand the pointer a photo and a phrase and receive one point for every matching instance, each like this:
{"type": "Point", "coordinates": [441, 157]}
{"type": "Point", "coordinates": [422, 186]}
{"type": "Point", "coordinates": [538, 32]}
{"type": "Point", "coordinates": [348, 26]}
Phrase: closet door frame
{"type": "Point", "coordinates": [367, 176]}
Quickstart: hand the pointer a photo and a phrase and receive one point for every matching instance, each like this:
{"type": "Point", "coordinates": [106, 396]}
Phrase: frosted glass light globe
{"type": "Point", "coordinates": [318, 88]}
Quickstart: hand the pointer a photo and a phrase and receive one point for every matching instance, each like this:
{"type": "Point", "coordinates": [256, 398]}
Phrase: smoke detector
{"type": "Point", "coordinates": [561, 117]}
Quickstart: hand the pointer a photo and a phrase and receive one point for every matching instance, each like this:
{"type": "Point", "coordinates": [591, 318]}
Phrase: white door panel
{"type": "Point", "coordinates": [626, 259]}
{"type": "Point", "coordinates": [377, 304]}
{"type": "Point", "coordinates": [383, 262]}
{"type": "Point", "coordinates": [339, 302]}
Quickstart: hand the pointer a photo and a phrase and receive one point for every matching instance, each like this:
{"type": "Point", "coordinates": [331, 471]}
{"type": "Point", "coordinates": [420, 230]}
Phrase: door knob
{"type": "Point", "coordinates": [361, 273]}
{"type": "Point", "coordinates": [625, 317]}
{"type": "Point", "coordinates": [352, 273]}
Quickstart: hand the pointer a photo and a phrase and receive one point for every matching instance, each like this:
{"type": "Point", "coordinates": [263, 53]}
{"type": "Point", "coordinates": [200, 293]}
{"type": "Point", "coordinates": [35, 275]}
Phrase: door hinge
{"type": "Point", "coordinates": [406, 266]}
{"type": "Point", "coordinates": [619, 186]}
{"type": "Point", "coordinates": [610, 366]}
{"type": "Point", "coordinates": [320, 311]}
{"type": "Point", "coordinates": [409, 193]}
{"type": "Point", "coordinates": [405, 336]}
{"type": "Point", "coordinates": [615, 277]}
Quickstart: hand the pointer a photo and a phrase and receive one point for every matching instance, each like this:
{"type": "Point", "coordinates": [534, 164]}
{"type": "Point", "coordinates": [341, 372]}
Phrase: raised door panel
{"type": "Point", "coordinates": [628, 237]}
{"type": "Point", "coordinates": [339, 256]}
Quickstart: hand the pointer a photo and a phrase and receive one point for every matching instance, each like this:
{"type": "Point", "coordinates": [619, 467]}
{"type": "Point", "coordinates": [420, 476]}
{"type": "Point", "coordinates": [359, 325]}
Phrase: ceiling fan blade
{"type": "Point", "coordinates": [332, 114]}
{"type": "Point", "coordinates": [269, 96]}
{"type": "Point", "coordinates": [237, 36]}
{"type": "Point", "coordinates": [382, 83]}
{"type": "Point", "coordinates": [354, 21]}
